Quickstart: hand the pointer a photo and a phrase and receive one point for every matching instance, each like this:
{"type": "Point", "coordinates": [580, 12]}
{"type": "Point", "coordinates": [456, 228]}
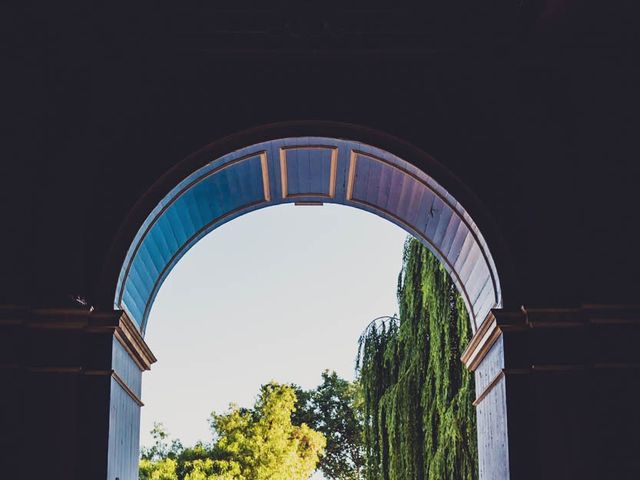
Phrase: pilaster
{"type": "Point", "coordinates": [556, 392]}
{"type": "Point", "coordinates": [71, 388]}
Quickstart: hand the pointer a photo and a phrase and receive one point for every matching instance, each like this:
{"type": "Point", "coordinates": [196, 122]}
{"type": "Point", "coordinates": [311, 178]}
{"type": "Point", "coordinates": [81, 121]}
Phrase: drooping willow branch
{"type": "Point", "coordinates": [417, 396]}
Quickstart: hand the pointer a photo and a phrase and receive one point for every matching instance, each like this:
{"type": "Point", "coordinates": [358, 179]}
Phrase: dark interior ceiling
{"type": "Point", "coordinates": [533, 104]}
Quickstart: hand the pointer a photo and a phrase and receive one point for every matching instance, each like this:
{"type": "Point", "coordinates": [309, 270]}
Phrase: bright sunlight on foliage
{"type": "Point", "coordinates": [249, 444]}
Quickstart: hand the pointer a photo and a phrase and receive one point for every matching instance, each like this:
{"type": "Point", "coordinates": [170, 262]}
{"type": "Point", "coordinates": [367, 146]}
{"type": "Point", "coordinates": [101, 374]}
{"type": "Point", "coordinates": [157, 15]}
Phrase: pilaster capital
{"type": "Point", "coordinates": [544, 338]}
{"type": "Point", "coordinates": [52, 324]}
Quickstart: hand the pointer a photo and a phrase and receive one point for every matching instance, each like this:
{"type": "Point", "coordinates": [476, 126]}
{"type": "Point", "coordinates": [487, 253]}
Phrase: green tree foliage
{"type": "Point", "coordinates": [160, 469]}
{"type": "Point", "coordinates": [162, 447]}
{"type": "Point", "coordinates": [333, 410]}
{"type": "Point", "coordinates": [419, 421]}
{"type": "Point", "coordinates": [262, 443]}
{"type": "Point", "coordinates": [159, 462]}
{"type": "Point", "coordinates": [249, 444]}
{"type": "Point", "coordinates": [195, 462]}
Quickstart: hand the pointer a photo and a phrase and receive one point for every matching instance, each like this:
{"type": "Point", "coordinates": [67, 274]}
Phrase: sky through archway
{"type": "Point", "coordinates": [278, 294]}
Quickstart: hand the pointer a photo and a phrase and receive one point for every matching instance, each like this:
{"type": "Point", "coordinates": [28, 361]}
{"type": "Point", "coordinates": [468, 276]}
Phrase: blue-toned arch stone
{"type": "Point", "coordinates": [307, 170]}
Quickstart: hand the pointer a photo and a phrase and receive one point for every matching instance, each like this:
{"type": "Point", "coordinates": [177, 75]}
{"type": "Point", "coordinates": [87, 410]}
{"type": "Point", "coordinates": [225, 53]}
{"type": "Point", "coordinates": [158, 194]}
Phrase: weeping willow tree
{"type": "Point", "coordinates": [419, 418]}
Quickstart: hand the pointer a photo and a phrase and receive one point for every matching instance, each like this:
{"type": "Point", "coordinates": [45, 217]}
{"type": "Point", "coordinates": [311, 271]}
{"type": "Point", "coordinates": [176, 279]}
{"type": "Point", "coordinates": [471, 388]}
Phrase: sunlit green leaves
{"type": "Point", "coordinates": [260, 443]}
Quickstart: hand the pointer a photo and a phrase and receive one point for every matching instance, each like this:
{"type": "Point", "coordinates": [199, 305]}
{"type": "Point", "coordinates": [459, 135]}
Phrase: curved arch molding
{"type": "Point", "coordinates": [307, 170]}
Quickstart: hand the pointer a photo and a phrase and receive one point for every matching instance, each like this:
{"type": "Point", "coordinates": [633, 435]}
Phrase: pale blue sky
{"type": "Point", "coordinates": [278, 294]}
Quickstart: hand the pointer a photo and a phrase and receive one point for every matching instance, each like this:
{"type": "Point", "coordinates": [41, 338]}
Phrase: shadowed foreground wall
{"type": "Point", "coordinates": [532, 105]}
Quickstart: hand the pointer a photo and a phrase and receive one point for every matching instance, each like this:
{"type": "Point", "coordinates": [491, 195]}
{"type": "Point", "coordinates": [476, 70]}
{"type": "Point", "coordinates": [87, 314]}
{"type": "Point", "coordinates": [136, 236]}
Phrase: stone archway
{"type": "Point", "coordinates": [314, 163]}
{"type": "Point", "coordinates": [307, 170]}
{"type": "Point", "coordinates": [555, 387]}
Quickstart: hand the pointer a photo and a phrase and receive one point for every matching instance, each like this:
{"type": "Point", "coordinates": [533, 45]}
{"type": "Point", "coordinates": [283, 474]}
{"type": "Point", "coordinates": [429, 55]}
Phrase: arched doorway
{"type": "Point", "coordinates": [304, 163]}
